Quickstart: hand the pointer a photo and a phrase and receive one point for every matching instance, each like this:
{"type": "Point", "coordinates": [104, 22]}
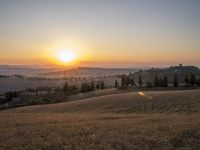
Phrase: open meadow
{"type": "Point", "coordinates": [137, 120]}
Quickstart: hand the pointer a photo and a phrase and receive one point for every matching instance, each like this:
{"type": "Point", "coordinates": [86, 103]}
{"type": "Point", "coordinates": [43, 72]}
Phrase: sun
{"type": "Point", "coordinates": [66, 56]}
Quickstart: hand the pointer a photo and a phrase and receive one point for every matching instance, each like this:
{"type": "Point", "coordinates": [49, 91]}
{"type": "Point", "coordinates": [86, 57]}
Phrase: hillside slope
{"type": "Point", "coordinates": [181, 71]}
{"type": "Point", "coordinates": [139, 102]}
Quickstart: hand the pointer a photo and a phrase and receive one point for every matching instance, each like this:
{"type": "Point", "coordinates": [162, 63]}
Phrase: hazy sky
{"type": "Point", "coordinates": [102, 32]}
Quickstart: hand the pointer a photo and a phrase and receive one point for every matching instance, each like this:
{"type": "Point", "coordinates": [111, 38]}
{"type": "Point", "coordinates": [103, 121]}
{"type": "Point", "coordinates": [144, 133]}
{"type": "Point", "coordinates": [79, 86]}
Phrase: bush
{"type": "Point", "coordinates": [149, 84]}
{"type": "Point", "coordinates": [10, 95]}
{"type": "Point", "coordinates": [198, 82]}
{"type": "Point", "coordinates": [70, 89]}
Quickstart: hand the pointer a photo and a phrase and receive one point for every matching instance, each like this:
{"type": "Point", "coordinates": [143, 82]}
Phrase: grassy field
{"type": "Point", "coordinates": [138, 120]}
{"type": "Point", "coordinates": [138, 102]}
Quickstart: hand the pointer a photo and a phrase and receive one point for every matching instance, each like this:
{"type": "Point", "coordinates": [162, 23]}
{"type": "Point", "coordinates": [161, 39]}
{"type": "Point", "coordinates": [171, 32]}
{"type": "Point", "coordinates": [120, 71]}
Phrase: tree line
{"type": "Point", "coordinates": [159, 81]}
{"type": "Point", "coordinates": [85, 87]}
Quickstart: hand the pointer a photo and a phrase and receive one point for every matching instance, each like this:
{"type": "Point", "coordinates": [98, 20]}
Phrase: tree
{"type": "Point", "coordinates": [92, 86]}
{"type": "Point", "coordinates": [132, 81]}
{"type": "Point", "coordinates": [198, 82]}
{"type": "Point", "coordinates": [140, 80]}
{"type": "Point", "coordinates": [149, 84]}
{"type": "Point", "coordinates": [102, 85]}
{"type": "Point", "coordinates": [73, 89]}
{"type": "Point", "coordinates": [175, 81]}
{"type": "Point", "coordinates": [65, 87]}
{"type": "Point", "coordinates": [186, 80]}
{"type": "Point", "coordinates": [10, 95]}
{"type": "Point", "coordinates": [85, 87]}
{"type": "Point", "coordinates": [165, 81]}
{"type": "Point", "coordinates": [192, 79]}
{"type": "Point", "coordinates": [116, 84]}
{"type": "Point", "coordinates": [98, 86]}
{"type": "Point", "coordinates": [70, 89]}
{"type": "Point", "coordinates": [156, 84]}
{"type": "Point", "coordinates": [128, 80]}
{"type": "Point", "coordinates": [160, 82]}
{"type": "Point", "coordinates": [123, 81]}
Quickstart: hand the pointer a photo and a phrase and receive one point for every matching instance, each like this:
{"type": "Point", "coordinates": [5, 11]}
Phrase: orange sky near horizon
{"type": "Point", "coordinates": [107, 33]}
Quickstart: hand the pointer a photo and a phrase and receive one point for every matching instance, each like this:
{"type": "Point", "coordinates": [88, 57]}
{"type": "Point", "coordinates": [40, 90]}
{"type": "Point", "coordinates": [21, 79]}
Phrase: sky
{"type": "Point", "coordinates": [100, 32]}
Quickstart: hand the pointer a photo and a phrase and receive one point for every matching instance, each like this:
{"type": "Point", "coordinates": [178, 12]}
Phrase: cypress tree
{"type": "Point", "coordinates": [116, 84]}
{"type": "Point", "coordinates": [165, 81]}
{"type": "Point", "coordinates": [102, 85]}
{"type": "Point", "coordinates": [97, 86]}
{"type": "Point", "coordinates": [92, 86]}
{"type": "Point", "coordinates": [156, 81]}
{"type": "Point", "coordinates": [149, 84]}
{"type": "Point", "coordinates": [175, 81]}
{"type": "Point", "coordinates": [132, 81]}
{"type": "Point", "coordinates": [198, 82]}
{"type": "Point", "coordinates": [192, 79]}
{"type": "Point", "coordinates": [186, 80]}
{"type": "Point", "coordinates": [65, 87]}
{"type": "Point", "coordinates": [140, 80]}
{"type": "Point", "coordinates": [160, 82]}
{"type": "Point", "coordinates": [123, 81]}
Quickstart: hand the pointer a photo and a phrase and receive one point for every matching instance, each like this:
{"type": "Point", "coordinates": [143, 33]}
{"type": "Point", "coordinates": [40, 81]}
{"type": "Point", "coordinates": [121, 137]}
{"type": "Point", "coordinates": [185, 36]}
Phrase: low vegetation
{"type": "Point", "coordinates": [137, 120]}
{"type": "Point", "coordinates": [99, 131]}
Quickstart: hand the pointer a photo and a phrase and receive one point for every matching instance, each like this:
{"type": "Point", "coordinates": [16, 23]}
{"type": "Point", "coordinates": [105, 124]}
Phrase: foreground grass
{"type": "Point", "coordinates": [135, 120]}
{"type": "Point", "coordinates": [99, 131]}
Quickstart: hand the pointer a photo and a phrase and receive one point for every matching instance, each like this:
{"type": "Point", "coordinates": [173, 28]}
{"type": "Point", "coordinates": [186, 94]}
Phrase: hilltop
{"type": "Point", "coordinates": [181, 71]}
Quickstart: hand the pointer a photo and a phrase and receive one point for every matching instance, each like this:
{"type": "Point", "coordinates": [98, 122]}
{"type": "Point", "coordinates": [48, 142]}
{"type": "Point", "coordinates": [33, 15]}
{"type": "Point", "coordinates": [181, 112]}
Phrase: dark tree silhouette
{"type": "Point", "coordinates": [70, 89]}
{"type": "Point", "coordinates": [132, 81]}
{"type": "Point", "coordinates": [160, 82]}
{"type": "Point", "coordinates": [198, 82]}
{"type": "Point", "coordinates": [102, 85]}
{"type": "Point", "coordinates": [156, 84]}
{"type": "Point", "coordinates": [140, 80]}
{"type": "Point", "coordinates": [98, 86]}
{"type": "Point", "coordinates": [92, 86]}
{"type": "Point", "coordinates": [85, 87]}
{"type": "Point", "coordinates": [165, 81]}
{"type": "Point", "coordinates": [186, 80]}
{"type": "Point", "coordinates": [10, 95]}
{"type": "Point", "coordinates": [175, 83]}
{"type": "Point", "coordinates": [192, 79]}
{"type": "Point", "coordinates": [124, 81]}
{"type": "Point", "coordinates": [65, 87]}
{"type": "Point", "coordinates": [149, 84]}
{"type": "Point", "coordinates": [116, 84]}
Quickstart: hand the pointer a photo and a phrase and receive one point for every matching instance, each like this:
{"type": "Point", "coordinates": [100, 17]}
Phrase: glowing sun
{"type": "Point", "coordinates": [66, 56]}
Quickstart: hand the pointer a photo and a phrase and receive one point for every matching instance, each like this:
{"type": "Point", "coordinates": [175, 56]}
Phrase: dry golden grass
{"type": "Point", "coordinates": [99, 131]}
{"type": "Point", "coordinates": [138, 102]}
{"type": "Point", "coordinates": [149, 120]}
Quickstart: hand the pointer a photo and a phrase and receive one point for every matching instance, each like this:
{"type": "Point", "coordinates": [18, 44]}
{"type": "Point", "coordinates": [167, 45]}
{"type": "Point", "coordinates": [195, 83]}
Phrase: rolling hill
{"type": "Point", "coordinates": [134, 102]}
{"type": "Point", "coordinates": [89, 72]}
{"type": "Point", "coordinates": [181, 71]}
{"type": "Point", "coordinates": [137, 120]}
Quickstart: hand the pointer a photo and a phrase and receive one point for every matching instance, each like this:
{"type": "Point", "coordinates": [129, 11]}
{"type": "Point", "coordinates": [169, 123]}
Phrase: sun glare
{"type": "Point", "coordinates": [66, 56]}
